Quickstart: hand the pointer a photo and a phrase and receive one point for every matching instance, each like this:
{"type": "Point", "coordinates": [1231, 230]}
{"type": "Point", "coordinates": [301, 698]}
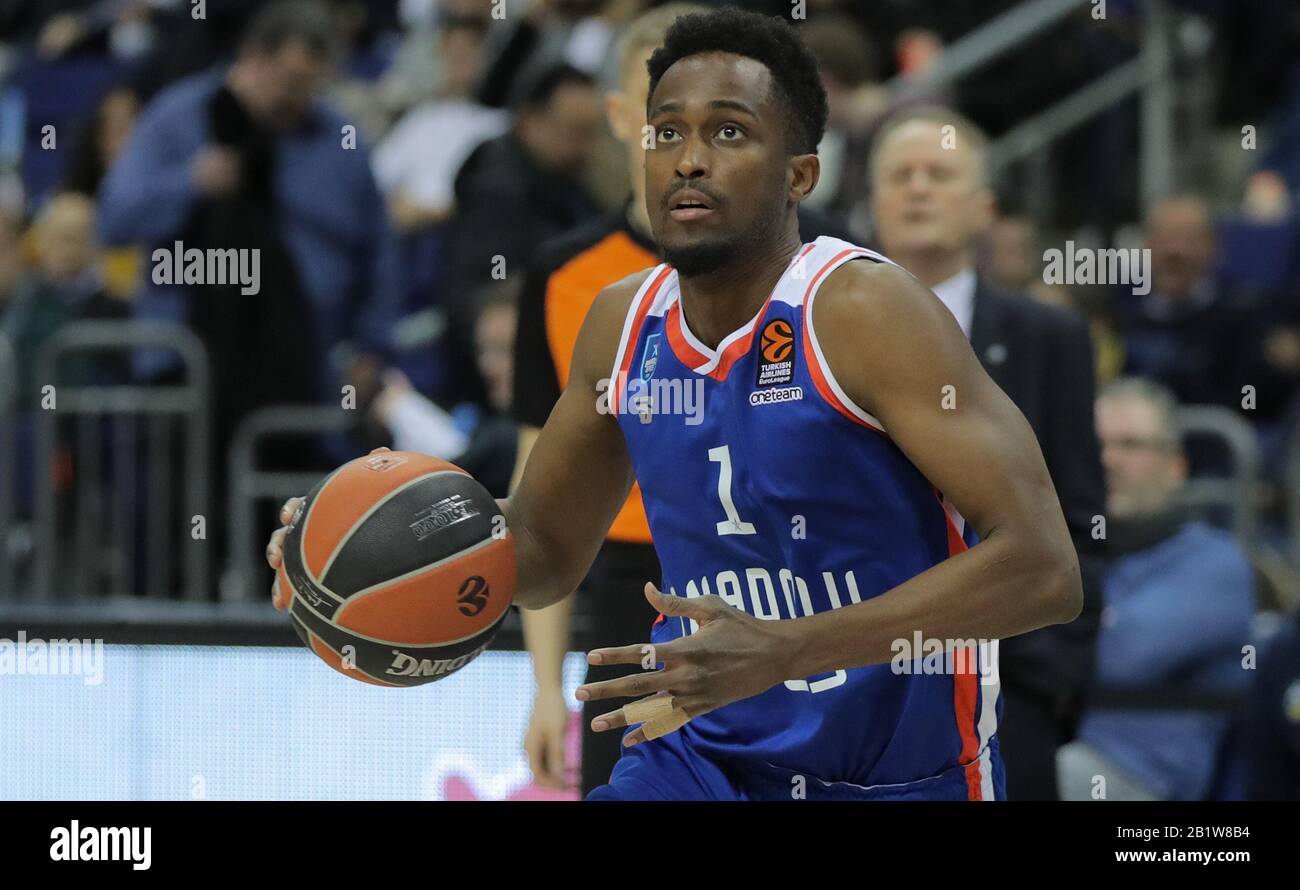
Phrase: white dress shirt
{"type": "Point", "coordinates": [958, 294]}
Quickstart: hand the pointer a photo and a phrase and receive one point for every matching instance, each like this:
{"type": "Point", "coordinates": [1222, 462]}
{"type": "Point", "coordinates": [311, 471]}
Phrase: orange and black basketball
{"type": "Point", "coordinates": [399, 569]}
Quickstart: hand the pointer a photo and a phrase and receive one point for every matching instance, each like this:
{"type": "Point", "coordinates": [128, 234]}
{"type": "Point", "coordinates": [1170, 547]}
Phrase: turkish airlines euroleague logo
{"type": "Point", "coordinates": [776, 349]}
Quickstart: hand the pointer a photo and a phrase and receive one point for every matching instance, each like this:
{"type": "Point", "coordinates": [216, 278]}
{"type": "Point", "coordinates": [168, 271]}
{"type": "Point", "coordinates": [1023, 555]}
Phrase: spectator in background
{"type": "Point", "coordinates": [847, 63]}
{"type": "Point", "coordinates": [482, 441]}
{"type": "Point", "coordinates": [98, 146]}
{"type": "Point", "coordinates": [417, 162]}
{"type": "Point", "coordinates": [102, 140]}
{"type": "Point", "coordinates": [1015, 261]}
{"type": "Point", "coordinates": [580, 33]}
{"type": "Point", "coordinates": [1273, 722]}
{"type": "Point", "coordinates": [514, 192]}
{"type": "Point", "coordinates": [67, 286]}
{"type": "Point", "coordinates": [1208, 340]}
{"type": "Point", "coordinates": [1179, 601]}
{"type": "Point", "coordinates": [248, 159]}
{"type": "Point", "coordinates": [517, 190]}
{"type": "Point", "coordinates": [932, 201]}
{"type": "Point", "coordinates": [1184, 333]}
{"type": "Point", "coordinates": [11, 258]}
{"type": "Point", "coordinates": [64, 288]}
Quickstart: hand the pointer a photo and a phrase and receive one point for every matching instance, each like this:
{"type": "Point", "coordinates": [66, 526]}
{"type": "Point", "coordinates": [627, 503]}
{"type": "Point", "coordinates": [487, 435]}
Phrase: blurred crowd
{"type": "Point", "coordinates": [399, 164]}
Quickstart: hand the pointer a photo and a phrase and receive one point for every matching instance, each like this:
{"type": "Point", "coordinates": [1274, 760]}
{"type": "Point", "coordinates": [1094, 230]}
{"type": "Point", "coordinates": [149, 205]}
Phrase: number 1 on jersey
{"type": "Point", "coordinates": [734, 524]}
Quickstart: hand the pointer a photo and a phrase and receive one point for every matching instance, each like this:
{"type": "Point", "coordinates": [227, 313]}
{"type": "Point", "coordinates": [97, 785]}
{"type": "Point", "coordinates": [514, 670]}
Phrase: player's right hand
{"type": "Point", "coordinates": [275, 546]}
{"type": "Point", "coordinates": [544, 740]}
{"type": "Point", "coordinates": [275, 549]}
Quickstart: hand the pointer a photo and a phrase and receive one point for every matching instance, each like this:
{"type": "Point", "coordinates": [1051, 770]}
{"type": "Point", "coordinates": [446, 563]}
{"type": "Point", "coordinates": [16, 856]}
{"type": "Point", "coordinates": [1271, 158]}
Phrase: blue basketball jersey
{"type": "Point", "coordinates": [766, 485]}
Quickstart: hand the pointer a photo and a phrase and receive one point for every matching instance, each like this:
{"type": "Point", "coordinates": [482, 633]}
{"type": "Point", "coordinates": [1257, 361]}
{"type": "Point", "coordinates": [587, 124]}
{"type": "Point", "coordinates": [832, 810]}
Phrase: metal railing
{"type": "Point", "coordinates": [249, 486]}
{"type": "Point", "coordinates": [1238, 493]}
{"type": "Point", "coordinates": [114, 524]}
{"type": "Point", "coordinates": [1148, 75]}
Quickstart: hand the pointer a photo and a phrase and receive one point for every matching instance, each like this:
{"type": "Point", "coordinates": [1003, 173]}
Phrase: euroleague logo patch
{"type": "Point", "coordinates": [776, 351]}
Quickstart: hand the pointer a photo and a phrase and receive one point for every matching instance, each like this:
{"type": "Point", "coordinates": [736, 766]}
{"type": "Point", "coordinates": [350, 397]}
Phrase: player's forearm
{"type": "Point", "coordinates": [546, 571]}
{"type": "Point", "coordinates": [546, 636]}
{"type": "Point", "coordinates": [1011, 583]}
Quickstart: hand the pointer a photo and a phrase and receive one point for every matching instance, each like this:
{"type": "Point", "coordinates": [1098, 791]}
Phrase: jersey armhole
{"type": "Point", "coordinates": [636, 312]}
{"type": "Point", "coordinates": [820, 370]}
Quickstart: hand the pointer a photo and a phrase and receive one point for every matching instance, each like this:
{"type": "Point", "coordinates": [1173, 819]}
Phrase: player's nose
{"type": "Point", "coordinates": [693, 161]}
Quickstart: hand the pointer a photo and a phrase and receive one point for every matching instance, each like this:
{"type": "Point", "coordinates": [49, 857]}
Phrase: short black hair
{"type": "Point", "coordinates": [766, 39]}
{"type": "Point", "coordinates": [293, 21]}
{"type": "Point", "coordinates": [542, 84]}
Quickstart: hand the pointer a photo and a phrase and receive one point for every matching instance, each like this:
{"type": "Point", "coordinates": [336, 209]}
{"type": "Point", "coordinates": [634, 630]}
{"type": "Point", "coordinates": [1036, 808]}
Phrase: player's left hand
{"type": "Point", "coordinates": [732, 656]}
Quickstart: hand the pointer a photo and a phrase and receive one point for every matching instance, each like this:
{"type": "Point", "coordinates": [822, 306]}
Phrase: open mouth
{"type": "Point", "coordinates": [689, 204]}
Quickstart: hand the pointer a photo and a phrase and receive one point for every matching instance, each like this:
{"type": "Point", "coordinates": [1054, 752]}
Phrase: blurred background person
{"type": "Point", "coordinates": [1179, 602]}
{"type": "Point", "coordinates": [417, 162]}
{"type": "Point", "coordinates": [931, 201]}
{"type": "Point", "coordinates": [247, 158]}
{"type": "Point", "coordinates": [481, 440]}
{"type": "Point", "coordinates": [531, 176]}
{"type": "Point", "coordinates": [1272, 726]}
{"type": "Point", "coordinates": [64, 286]}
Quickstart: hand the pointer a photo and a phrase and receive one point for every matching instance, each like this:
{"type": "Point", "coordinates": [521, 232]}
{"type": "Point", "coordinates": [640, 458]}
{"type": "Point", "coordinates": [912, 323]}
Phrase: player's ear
{"type": "Point", "coordinates": [805, 170]}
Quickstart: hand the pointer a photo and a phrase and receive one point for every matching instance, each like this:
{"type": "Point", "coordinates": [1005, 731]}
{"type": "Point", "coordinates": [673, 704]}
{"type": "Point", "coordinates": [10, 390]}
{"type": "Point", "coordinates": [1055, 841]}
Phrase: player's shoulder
{"type": "Point", "coordinates": [615, 300]}
{"type": "Point", "coordinates": [603, 326]}
{"type": "Point", "coordinates": [873, 295]}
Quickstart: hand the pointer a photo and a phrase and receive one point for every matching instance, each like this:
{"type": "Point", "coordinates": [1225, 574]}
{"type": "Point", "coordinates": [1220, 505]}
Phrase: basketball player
{"type": "Point", "coordinates": [851, 486]}
{"type": "Point", "coordinates": [564, 280]}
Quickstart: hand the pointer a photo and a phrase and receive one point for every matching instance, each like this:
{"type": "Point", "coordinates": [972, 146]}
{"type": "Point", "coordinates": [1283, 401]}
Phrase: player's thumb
{"type": "Point", "coordinates": [672, 605]}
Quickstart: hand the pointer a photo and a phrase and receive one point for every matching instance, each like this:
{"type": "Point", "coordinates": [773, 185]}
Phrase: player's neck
{"type": "Point", "coordinates": [718, 303]}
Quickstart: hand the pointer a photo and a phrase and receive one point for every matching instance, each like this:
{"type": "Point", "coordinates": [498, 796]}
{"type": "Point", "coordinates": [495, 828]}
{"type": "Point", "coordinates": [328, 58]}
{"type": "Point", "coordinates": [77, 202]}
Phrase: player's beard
{"type": "Point", "coordinates": [707, 256]}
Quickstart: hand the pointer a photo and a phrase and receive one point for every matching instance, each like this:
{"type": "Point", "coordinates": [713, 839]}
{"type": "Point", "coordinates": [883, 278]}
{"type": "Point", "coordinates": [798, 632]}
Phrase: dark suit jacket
{"type": "Point", "coordinates": [1041, 356]}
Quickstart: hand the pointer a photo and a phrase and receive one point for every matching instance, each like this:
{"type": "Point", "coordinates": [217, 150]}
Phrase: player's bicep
{"type": "Point", "coordinates": [578, 473]}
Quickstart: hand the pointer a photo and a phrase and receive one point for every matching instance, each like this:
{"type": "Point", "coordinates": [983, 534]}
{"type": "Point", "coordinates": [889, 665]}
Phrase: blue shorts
{"type": "Point", "coordinates": [668, 769]}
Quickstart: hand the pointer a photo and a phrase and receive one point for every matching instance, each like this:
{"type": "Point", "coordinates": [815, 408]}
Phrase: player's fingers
{"type": "Point", "coordinates": [612, 720]}
{"type": "Point", "coordinates": [650, 708]}
{"type": "Point", "coordinates": [701, 608]}
{"type": "Point", "coordinates": [634, 654]}
{"type": "Point", "coordinates": [290, 507]}
{"type": "Point", "coordinates": [275, 548]}
{"type": "Point", "coordinates": [281, 594]}
{"type": "Point", "coordinates": [635, 737]}
{"type": "Point", "coordinates": [662, 726]}
{"type": "Point", "coordinates": [648, 655]}
{"type": "Point", "coordinates": [380, 450]}
{"type": "Point", "coordinates": [625, 687]}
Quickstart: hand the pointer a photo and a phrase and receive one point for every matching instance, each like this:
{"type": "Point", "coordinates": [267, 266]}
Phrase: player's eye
{"type": "Point", "coordinates": [729, 132]}
{"type": "Point", "coordinates": [668, 134]}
